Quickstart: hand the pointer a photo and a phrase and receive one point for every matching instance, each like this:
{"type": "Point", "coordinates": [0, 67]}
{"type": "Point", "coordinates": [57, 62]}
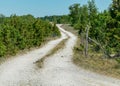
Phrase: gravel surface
{"type": "Point", "coordinates": [58, 69]}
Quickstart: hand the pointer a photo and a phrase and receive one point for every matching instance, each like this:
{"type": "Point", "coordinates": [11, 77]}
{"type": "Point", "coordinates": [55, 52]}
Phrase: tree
{"type": "Point", "coordinates": [74, 13]}
{"type": "Point", "coordinates": [1, 18]}
{"type": "Point", "coordinates": [114, 8]}
{"type": "Point", "coordinates": [104, 26]}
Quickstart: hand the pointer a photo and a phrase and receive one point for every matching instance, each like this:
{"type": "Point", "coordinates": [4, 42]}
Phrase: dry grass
{"type": "Point", "coordinates": [61, 45]}
{"type": "Point", "coordinates": [95, 62]}
{"type": "Point", "coordinates": [69, 28]}
{"type": "Point", "coordinates": [2, 60]}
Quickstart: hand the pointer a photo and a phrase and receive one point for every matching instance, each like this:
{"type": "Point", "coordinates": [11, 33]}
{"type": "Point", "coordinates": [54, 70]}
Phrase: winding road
{"type": "Point", "coordinates": [58, 69]}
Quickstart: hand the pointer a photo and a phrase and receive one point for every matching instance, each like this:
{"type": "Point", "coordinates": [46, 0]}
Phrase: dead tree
{"type": "Point", "coordinates": [117, 55]}
{"type": "Point", "coordinates": [86, 43]}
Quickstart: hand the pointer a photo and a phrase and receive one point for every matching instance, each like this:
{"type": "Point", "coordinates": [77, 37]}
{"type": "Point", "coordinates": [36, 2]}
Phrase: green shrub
{"type": "Point", "coordinates": [2, 49]}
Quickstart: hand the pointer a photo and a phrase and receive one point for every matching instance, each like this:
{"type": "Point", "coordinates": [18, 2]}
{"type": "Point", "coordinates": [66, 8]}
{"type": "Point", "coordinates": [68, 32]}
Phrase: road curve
{"type": "Point", "coordinates": [58, 69]}
{"type": "Point", "coordinates": [20, 70]}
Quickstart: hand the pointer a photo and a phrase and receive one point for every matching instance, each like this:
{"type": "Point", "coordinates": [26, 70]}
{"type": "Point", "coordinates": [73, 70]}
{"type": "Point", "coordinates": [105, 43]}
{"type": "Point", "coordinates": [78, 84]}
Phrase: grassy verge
{"type": "Point", "coordinates": [69, 28]}
{"type": "Point", "coordinates": [2, 59]}
{"type": "Point", "coordinates": [61, 45]}
{"type": "Point", "coordinates": [95, 62]}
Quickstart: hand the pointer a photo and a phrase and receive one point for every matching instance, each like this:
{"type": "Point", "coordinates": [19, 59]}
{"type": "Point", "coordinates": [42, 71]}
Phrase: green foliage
{"type": "Point", "coordinates": [63, 19]}
{"type": "Point", "coordinates": [23, 32]}
{"type": "Point", "coordinates": [2, 49]}
{"type": "Point", "coordinates": [118, 60]}
{"type": "Point", "coordinates": [104, 26]}
{"type": "Point", "coordinates": [74, 13]}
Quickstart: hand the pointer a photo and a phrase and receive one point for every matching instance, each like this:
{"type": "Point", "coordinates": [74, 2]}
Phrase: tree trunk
{"type": "Point", "coordinates": [116, 55]}
{"type": "Point", "coordinates": [103, 50]}
{"type": "Point", "coordinates": [86, 44]}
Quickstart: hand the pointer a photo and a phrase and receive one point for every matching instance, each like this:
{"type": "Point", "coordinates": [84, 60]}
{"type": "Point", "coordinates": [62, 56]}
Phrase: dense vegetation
{"type": "Point", "coordinates": [64, 19]}
{"type": "Point", "coordinates": [104, 27]}
{"type": "Point", "coordinates": [23, 32]}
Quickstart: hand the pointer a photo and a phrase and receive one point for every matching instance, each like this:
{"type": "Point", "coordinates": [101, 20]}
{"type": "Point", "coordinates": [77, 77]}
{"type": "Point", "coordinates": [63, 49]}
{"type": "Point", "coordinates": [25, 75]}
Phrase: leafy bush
{"type": "Point", "coordinates": [2, 49]}
{"type": "Point", "coordinates": [118, 60]}
{"type": "Point", "coordinates": [23, 32]}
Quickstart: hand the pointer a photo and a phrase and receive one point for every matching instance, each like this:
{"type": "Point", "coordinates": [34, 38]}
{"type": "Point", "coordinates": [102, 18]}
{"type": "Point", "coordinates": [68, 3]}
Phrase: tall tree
{"type": "Point", "coordinates": [114, 8]}
{"type": "Point", "coordinates": [74, 13]}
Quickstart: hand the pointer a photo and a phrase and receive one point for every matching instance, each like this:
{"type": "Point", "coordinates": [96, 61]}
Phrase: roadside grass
{"type": "Point", "coordinates": [69, 28]}
{"type": "Point", "coordinates": [60, 45]}
{"type": "Point", "coordinates": [95, 62]}
{"type": "Point", "coordinates": [2, 60]}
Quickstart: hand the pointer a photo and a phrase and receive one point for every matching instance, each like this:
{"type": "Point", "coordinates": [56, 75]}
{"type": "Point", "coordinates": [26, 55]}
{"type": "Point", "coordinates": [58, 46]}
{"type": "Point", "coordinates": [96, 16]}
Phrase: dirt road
{"type": "Point", "coordinates": [58, 69]}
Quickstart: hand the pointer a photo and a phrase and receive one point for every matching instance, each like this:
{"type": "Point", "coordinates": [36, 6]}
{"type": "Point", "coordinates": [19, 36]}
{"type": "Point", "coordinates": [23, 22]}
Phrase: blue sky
{"type": "Point", "coordinates": [40, 8]}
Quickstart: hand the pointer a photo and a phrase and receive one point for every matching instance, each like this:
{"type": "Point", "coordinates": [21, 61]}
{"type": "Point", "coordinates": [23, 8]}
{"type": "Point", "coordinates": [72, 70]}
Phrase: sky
{"type": "Point", "coordinates": [40, 8]}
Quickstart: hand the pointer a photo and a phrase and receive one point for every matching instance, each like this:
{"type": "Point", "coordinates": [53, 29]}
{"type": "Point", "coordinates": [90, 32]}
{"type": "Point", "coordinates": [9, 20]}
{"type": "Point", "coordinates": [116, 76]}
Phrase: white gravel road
{"type": "Point", "coordinates": [58, 69]}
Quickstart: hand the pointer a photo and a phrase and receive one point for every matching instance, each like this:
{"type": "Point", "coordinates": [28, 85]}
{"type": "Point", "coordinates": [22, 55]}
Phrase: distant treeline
{"type": "Point", "coordinates": [23, 32]}
{"type": "Point", "coordinates": [63, 19]}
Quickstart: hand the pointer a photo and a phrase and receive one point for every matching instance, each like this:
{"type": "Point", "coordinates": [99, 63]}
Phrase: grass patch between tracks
{"type": "Point", "coordinates": [61, 45]}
